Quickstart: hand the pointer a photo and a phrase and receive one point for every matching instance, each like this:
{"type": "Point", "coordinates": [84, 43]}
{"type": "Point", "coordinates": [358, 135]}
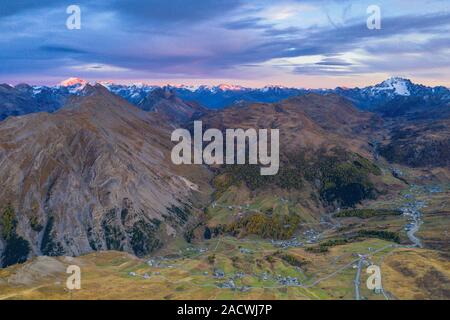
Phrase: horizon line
{"type": "Point", "coordinates": [197, 86]}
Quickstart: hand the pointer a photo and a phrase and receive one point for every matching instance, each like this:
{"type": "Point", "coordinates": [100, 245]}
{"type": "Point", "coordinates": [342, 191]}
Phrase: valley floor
{"type": "Point", "coordinates": [415, 267]}
{"type": "Point", "coordinates": [407, 273]}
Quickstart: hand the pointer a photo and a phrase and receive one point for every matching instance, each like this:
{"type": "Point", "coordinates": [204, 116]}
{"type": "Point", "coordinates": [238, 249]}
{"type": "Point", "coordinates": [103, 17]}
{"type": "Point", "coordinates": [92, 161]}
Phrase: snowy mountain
{"type": "Point", "coordinates": [134, 93]}
{"type": "Point", "coordinates": [394, 86]}
{"type": "Point", "coordinates": [71, 82]}
{"type": "Point", "coordinates": [396, 96]}
{"type": "Point", "coordinates": [398, 91]}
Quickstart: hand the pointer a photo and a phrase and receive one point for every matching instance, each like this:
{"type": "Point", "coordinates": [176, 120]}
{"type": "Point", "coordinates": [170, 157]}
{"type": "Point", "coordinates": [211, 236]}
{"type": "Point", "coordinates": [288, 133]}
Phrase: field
{"type": "Point", "coordinates": [241, 269]}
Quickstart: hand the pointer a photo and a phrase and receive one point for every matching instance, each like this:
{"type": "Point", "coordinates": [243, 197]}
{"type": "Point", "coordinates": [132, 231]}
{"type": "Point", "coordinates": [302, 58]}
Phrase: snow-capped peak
{"type": "Point", "coordinates": [72, 82]}
{"type": "Point", "coordinates": [140, 85]}
{"type": "Point", "coordinates": [229, 87]}
{"type": "Point", "coordinates": [397, 84]}
{"type": "Point", "coordinates": [191, 88]}
{"type": "Point", "coordinates": [107, 84]}
{"type": "Point", "coordinates": [272, 87]}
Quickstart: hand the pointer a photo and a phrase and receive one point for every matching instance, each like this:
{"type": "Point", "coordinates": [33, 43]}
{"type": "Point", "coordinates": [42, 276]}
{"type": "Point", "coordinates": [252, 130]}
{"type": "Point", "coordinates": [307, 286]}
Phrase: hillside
{"type": "Point", "coordinates": [326, 163]}
{"type": "Point", "coordinates": [420, 138]}
{"type": "Point", "coordinates": [95, 175]}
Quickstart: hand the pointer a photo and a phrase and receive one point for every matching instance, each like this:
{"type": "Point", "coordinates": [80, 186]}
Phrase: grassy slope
{"type": "Point", "coordinates": [408, 273]}
{"type": "Point", "coordinates": [105, 275]}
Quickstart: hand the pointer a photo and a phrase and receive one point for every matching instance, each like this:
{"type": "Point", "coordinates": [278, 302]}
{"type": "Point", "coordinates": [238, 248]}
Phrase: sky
{"type": "Point", "coordinates": [311, 43]}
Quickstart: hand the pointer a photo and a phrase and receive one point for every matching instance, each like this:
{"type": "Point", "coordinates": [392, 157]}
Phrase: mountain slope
{"type": "Point", "coordinates": [304, 121]}
{"type": "Point", "coordinates": [94, 175]}
{"type": "Point", "coordinates": [421, 139]}
{"type": "Point", "coordinates": [166, 103]}
{"type": "Point", "coordinates": [24, 99]}
{"type": "Point", "coordinates": [325, 158]}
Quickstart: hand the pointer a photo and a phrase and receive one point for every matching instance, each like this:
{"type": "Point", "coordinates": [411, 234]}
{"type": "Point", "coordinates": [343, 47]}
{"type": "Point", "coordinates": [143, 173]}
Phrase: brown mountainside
{"type": "Point", "coordinates": [311, 121]}
{"type": "Point", "coordinates": [325, 155]}
{"type": "Point", "coordinates": [94, 175]}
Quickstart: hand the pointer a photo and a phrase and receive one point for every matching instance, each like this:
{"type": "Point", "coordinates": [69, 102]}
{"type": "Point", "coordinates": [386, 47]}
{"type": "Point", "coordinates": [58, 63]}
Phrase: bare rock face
{"type": "Point", "coordinates": [95, 175]}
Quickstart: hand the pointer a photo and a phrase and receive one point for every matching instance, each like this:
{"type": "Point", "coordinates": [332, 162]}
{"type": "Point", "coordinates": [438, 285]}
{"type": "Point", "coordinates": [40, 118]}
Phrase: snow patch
{"type": "Point", "coordinates": [72, 82]}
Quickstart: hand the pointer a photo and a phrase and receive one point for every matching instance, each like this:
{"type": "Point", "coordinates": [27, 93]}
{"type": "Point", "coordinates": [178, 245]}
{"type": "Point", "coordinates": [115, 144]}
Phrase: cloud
{"type": "Point", "coordinates": [10, 8]}
{"type": "Point", "coordinates": [173, 11]}
{"type": "Point", "coordinates": [61, 49]}
{"type": "Point", "coordinates": [214, 38]}
{"type": "Point", "coordinates": [247, 23]}
{"type": "Point", "coordinates": [333, 62]}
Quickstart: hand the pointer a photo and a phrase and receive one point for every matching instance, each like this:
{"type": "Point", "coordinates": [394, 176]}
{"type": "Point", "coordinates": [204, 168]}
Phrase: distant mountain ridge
{"type": "Point", "coordinates": [368, 98]}
{"type": "Point", "coordinates": [393, 97]}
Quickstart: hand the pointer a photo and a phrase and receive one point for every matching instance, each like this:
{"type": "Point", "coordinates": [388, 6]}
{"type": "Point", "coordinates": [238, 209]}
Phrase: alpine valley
{"type": "Point", "coordinates": [87, 179]}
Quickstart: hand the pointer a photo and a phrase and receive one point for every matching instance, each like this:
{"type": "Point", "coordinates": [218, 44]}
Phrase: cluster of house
{"type": "Point", "coordinates": [245, 251]}
{"type": "Point", "coordinates": [145, 276]}
{"type": "Point", "coordinates": [230, 284]}
{"type": "Point", "coordinates": [287, 281]}
{"type": "Point", "coordinates": [284, 244]}
{"type": "Point", "coordinates": [196, 250]}
{"type": "Point", "coordinates": [311, 235]}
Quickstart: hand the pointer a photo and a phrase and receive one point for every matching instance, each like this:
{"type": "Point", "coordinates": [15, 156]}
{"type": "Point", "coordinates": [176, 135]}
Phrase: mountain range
{"type": "Point", "coordinates": [392, 97]}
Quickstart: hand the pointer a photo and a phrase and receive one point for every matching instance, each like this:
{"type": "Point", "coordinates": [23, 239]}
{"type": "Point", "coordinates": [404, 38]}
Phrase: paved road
{"type": "Point", "coordinates": [358, 279]}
